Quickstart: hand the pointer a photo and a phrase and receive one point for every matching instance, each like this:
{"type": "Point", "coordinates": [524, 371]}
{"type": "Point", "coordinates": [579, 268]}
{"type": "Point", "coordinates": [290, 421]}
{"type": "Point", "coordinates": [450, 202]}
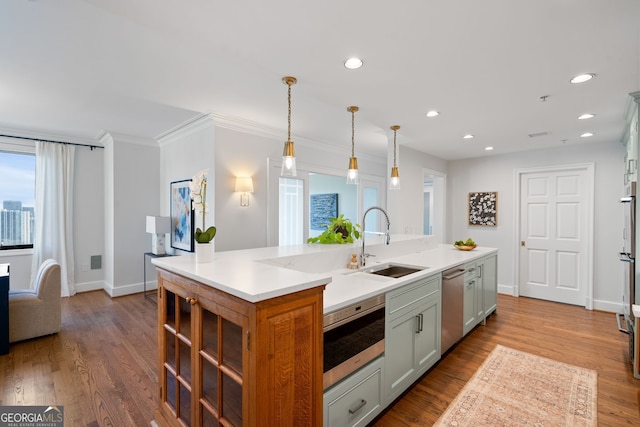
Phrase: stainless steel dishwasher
{"type": "Point", "coordinates": [452, 306]}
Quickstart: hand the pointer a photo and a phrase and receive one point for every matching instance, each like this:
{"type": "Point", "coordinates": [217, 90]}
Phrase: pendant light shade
{"type": "Point", "coordinates": [288, 155]}
{"type": "Point", "coordinates": [352, 173]}
{"type": "Point", "coordinates": [394, 182]}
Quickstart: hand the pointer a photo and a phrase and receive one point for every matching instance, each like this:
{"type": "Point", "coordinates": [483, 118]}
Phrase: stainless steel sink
{"type": "Point", "coordinates": [394, 270]}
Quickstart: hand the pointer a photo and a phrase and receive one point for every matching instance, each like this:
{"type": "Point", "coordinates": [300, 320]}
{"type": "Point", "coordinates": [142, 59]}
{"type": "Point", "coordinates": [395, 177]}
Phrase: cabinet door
{"type": "Point", "coordinates": [490, 284]}
{"type": "Point", "coordinates": [400, 353]}
{"type": "Point", "coordinates": [428, 337]}
{"type": "Point", "coordinates": [175, 341]}
{"type": "Point", "coordinates": [479, 293]}
{"type": "Point", "coordinates": [220, 360]}
{"type": "Point", "coordinates": [469, 310]}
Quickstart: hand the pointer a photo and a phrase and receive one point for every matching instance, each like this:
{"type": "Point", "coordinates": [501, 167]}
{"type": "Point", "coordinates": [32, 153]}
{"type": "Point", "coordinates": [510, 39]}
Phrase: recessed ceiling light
{"type": "Point", "coordinates": [581, 78]}
{"type": "Point", "coordinates": [432, 113]}
{"type": "Point", "coordinates": [586, 116]}
{"type": "Point", "coordinates": [488, 148]}
{"type": "Point", "coordinates": [353, 63]}
{"type": "Point", "coordinates": [586, 135]}
{"type": "Point", "coordinates": [467, 136]}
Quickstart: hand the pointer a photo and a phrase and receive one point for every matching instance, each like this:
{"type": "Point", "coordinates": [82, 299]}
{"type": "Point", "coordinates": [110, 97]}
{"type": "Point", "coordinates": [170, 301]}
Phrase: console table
{"type": "Point", "coordinates": [4, 308]}
{"type": "Point", "coordinates": [149, 295]}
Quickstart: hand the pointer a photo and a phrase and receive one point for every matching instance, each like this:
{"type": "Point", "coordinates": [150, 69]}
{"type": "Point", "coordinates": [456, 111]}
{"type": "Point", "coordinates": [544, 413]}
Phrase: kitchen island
{"type": "Point", "coordinates": [240, 338]}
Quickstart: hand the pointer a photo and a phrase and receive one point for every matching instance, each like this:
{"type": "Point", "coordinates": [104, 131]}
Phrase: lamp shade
{"type": "Point", "coordinates": [244, 184]}
{"type": "Point", "coordinates": [158, 224]}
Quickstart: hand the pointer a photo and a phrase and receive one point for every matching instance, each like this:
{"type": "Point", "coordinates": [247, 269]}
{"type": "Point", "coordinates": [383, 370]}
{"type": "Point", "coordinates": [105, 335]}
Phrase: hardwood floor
{"type": "Point", "coordinates": [102, 366]}
{"type": "Point", "coordinates": [570, 334]}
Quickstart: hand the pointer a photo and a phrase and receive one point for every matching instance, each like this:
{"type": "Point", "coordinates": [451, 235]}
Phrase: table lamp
{"type": "Point", "coordinates": [158, 226]}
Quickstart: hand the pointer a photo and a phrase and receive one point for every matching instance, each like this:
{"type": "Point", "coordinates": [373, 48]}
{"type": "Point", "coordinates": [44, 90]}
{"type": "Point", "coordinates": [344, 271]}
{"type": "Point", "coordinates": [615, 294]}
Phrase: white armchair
{"type": "Point", "coordinates": [36, 312]}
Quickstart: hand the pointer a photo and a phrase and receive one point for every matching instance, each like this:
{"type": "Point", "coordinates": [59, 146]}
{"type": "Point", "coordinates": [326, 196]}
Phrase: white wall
{"type": "Point", "coordinates": [496, 173]}
{"type": "Point", "coordinates": [183, 153]}
{"type": "Point", "coordinates": [405, 206]}
{"type": "Point", "coordinates": [131, 192]}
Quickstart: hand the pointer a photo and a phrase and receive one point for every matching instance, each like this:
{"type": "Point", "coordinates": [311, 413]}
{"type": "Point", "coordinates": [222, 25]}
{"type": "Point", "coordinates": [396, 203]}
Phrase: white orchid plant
{"type": "Point", "coordinates": [198, 189]}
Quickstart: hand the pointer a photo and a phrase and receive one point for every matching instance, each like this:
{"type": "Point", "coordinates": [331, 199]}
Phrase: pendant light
{"type": "Point", "coordinates": [288, 156]}
{"type": "Point", "coordinates": [394, 183]}
{"type": "Point", "coordinates": [352, 173]}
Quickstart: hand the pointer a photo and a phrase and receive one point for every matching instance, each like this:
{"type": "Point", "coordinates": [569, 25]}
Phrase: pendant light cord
{"type": "Point", "coordinates": [289, 114]}
{"type": "Point", "coordinates": [353, 115]}
{"type": "Point", "coordinates": [394, 147]}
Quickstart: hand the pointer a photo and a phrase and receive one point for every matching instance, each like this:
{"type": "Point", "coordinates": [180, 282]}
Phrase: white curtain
{"type": "Point", "coordinates": [54, 211]}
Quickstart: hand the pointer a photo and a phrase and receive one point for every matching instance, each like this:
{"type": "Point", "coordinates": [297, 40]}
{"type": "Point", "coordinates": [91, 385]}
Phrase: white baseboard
{"type": "Point", "coordinates": [119, 291]}
{"type": "Point", "coordinates": [505, 289]}
{"type": "Point", "coordinates": [89, 286]}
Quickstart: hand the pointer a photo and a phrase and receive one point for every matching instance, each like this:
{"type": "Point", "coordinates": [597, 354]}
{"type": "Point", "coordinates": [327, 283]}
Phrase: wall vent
{"type": "Point", "coordinates": [96, 262]}
{"type": "Point", "coordinates": [537, 134]}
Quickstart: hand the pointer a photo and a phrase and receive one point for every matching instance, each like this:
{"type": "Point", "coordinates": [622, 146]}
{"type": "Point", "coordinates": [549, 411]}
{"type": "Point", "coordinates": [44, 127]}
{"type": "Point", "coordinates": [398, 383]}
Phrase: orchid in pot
{"type": "Point", "coordinates": [203, 236]}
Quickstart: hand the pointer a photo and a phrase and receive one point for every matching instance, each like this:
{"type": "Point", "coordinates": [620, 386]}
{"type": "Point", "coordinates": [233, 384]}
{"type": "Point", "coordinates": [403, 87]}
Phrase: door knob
{"type": "Point", "coordinates": [522, 243]}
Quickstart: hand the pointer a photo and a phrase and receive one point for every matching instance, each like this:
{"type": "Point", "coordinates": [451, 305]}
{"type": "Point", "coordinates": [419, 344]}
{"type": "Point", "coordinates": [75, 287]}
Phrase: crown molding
{"type": "Point", "coordinates": [261, 130]}
{"type": "Point", "coordinates": [130, 139]}
{"type": "Point", "coordinates": [193, 125]}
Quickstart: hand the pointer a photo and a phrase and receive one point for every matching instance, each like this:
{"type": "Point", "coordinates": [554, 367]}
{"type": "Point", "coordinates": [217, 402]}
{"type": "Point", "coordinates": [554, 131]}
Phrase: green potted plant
{"type": "Point", "coordinates": [339, 230]}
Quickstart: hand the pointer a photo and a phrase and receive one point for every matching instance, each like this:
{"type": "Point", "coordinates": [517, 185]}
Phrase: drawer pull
{"type": "Point", "coordinates": [357, 406]}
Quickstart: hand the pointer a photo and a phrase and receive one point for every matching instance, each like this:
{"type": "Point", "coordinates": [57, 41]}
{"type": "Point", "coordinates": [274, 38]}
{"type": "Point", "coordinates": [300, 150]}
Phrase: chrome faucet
{"type": "Point", "coordinates": [363, 255]}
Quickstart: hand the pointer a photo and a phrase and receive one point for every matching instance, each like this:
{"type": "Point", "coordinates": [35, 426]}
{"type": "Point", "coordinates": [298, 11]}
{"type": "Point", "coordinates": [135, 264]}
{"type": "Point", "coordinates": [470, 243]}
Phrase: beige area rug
{"type": "Point", "coordinates": [513, 388]}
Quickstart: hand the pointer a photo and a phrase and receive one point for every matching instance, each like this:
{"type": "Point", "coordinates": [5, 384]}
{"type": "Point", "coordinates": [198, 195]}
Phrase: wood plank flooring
{"type": "Point", "coordinates": [570, 334]}
{"type": "Point", "coordinates": [102, 366]}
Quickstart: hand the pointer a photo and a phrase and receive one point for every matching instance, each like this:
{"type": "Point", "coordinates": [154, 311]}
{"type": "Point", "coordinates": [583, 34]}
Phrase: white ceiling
{"type": "Point", "coordinates": [143, 67]}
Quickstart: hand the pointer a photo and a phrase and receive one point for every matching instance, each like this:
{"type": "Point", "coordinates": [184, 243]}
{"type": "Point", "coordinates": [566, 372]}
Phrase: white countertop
{"type": "Point", "coordinates": [259, 274]}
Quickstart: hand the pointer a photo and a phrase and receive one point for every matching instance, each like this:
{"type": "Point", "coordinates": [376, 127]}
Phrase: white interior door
{"type": "Point", "coordinates": [555, 233]}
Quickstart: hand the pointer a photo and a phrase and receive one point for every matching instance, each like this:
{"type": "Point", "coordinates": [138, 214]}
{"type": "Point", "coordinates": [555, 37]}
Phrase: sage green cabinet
{"type": "Point", "coordinates": [480, 291]}
{"type": "Point", "coordinates": [472, 299]}
{"type": "Point", "coordinates": [358, 399]}
{"type": "Point", "coordinates": [489, 277]}
{"type": "Point", "coordinates": [412, 333]}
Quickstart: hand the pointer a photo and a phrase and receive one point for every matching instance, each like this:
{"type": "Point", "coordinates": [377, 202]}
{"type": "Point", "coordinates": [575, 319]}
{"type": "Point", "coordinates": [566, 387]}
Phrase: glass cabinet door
{"type": "Point", "coordinates": [221, 359]}
{"type": "Point", "coordinates": [176, 371]}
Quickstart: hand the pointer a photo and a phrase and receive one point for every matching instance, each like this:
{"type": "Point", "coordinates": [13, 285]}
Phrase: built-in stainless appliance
{"type": "Point", "coordinates": [628, 255]}
{"type": "Point", "coordinates": [353, 336]}
{"type": "Point", "coordinates": [452, 308]}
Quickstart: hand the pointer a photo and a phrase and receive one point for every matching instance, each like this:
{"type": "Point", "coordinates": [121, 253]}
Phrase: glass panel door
{"type": "Point", "coordinates": [291, 211]}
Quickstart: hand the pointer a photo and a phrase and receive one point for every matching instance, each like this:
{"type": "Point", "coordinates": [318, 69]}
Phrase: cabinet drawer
{"type": "Point", "coordinates": [356, 400]}
{"type": "Point", "coordinates": [471, 273]}
{"type": "Point", "coordinates": [412, 294]}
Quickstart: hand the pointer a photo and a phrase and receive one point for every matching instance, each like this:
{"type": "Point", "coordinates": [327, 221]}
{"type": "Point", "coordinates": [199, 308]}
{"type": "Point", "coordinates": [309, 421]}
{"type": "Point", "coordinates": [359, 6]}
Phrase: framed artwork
{"type": "Point", "coordinates": [483, 208]}
{"type": "Point", "coordinates": [182, 216]}
{"type": "Point", "coordinates": [322, 207]}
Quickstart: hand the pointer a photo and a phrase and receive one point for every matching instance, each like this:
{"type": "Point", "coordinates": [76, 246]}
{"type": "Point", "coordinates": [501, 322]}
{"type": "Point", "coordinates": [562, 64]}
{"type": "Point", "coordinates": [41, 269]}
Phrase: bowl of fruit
{"type": "Point", "coordinates": [465, 245]}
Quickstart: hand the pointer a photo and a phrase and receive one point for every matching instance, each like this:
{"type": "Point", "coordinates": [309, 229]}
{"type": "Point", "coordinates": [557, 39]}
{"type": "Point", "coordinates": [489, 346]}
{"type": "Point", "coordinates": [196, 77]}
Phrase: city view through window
{"type": "Point", "coordinates": [17, 195]}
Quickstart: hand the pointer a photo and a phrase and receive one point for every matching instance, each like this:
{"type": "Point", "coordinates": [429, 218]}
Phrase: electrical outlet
{"type": "Point", "coordinates": [85, 267]}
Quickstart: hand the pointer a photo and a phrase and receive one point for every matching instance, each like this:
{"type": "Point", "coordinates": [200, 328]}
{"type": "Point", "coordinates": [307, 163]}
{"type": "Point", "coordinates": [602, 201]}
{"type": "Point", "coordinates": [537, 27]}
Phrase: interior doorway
{"type": "Point", "coordinates": [555, 242]}
{"type": "Point", "coordinates": [433, 204]}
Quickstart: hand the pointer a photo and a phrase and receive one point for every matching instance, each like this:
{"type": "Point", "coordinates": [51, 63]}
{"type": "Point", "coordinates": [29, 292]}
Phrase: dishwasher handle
{"type": "Point", "coordinates": [459, 272]}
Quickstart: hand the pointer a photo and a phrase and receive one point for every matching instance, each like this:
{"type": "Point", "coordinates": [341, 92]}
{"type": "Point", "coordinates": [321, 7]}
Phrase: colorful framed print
{"type": "Point", "coordinates": [182, 216]}
{"type": "Point", "coordinates": [322, 208]}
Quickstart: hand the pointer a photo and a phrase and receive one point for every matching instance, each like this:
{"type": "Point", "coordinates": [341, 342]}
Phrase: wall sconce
{"type": "Point", "coordinates": [158, 226]}
{"type": "Point", "coordinates": [244, 186]}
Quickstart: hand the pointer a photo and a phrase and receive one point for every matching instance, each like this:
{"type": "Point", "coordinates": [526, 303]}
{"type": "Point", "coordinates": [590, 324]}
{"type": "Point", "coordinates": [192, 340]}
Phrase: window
{"type": "Point", "coordinates": [17, 195]}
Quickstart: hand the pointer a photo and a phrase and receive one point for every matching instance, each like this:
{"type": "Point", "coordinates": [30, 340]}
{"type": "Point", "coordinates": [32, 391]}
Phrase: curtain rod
{"type": "Point", "coordinates": [55, 142]}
